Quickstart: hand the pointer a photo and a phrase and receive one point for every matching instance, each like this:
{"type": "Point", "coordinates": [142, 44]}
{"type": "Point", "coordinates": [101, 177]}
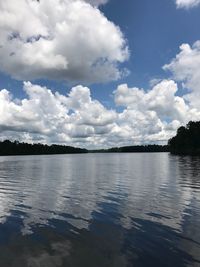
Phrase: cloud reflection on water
{"type": "Point", "coordinates": [113, 209]}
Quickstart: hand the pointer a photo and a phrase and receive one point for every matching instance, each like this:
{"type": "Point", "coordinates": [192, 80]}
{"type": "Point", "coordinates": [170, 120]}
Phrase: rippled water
{"type": "Point", "coordinates": [100, 210]}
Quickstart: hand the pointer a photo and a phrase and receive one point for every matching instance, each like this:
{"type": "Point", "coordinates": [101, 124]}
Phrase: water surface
{"type": "Point", "coordinates": [100, 210]}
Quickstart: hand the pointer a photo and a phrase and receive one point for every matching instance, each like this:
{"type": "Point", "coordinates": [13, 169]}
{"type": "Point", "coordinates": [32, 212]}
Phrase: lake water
{"type": "Point", "coordinates": [100, 210]}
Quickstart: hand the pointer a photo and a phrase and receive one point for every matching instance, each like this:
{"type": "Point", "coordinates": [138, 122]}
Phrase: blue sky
{"type": "Point", "coordinates": [153, 32]}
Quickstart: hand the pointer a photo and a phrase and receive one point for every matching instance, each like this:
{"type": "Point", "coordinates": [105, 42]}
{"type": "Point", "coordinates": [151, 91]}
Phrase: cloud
{"type": "Point", "coordinates": [145, 116]}
{"type": "Point", "coordinates": [45, 116]}
{"type": "Point", "coordinates": [79, 120]}
{"type": "Point", "coordinates": [187, 3]}
{"type": "Point", "coordinates": [161, 99]}
{"type": "Point", "coordinates": [185, 68]}
{"type": "Point", "coordinates": [153, 116]}
{"type": "Point", "coordinates": [97, 2]}
{"type": "Point", "coordinates": [61, 39]}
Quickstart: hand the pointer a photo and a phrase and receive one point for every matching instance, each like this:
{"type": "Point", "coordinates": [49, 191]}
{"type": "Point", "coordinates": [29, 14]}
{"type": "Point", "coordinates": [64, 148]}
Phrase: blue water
{"type": "Point", "coordinates": [100, 210]}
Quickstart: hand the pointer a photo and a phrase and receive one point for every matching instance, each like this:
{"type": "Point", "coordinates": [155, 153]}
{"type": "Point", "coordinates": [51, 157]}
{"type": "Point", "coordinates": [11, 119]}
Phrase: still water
{"type": "Point", "coordinates": [100, 210]}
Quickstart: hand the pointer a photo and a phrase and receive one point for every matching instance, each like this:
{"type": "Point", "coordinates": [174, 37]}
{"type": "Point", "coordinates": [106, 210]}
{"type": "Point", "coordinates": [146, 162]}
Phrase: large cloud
{"type": "Point", "coordinates": [187, 3]}
{"type": "Point", "coordinates": [161, 99]}
{"type": "Point", "coordinates": [77, 119]}
{"type": "Point", "coordinates": [51, 117]}
{"type": "Point", "coordinates": [186, 68]}
{"type": "Point", "coordinates": [153, 116]}
{"type": "Point", "coordinates": [59, 39]}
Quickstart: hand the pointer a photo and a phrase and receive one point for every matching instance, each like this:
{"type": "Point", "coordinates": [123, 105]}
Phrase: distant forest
{"type": "Point", "coordinates": [15, 148]}
{"type": "Point", "coordinates": [187, 140]}
{"type": "Point", "coordinates": [135, 149]}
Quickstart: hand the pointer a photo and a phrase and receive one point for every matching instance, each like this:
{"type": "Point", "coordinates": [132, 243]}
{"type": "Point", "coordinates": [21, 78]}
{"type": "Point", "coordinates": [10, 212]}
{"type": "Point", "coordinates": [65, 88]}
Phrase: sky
{"type": "Point", "coordinates": [98, 73]}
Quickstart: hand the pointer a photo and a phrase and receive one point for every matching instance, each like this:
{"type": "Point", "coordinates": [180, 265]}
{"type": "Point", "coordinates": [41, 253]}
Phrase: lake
{"type": "Point", "coordinates": [100, 210]}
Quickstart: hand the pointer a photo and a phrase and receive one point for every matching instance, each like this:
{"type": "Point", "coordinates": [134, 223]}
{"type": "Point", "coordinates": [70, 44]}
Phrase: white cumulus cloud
{"type": "Point", "coordinates": [186, 68]}
{"type": "Point", "coordinates": [52, 117]}
{"type": "Point", "coordinates": [145, 116]}
{"type": "Point", "coordinates": [187, 3]}
{"type": "Point", "coordinates": [153, 116]}
{"type": "Point", "coordinates": [60, 39]}
{"type": "Point", "coordinates": [78, 119]}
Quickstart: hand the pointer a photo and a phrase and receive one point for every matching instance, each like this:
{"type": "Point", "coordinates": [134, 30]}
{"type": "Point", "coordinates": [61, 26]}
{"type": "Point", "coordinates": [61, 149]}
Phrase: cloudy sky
{"type": "Point", "coordinates": [98, 73]}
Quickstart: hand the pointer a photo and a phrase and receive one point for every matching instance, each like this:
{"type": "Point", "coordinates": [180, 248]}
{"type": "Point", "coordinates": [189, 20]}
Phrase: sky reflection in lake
{"type": "Point", "coordinates": [100, 210]}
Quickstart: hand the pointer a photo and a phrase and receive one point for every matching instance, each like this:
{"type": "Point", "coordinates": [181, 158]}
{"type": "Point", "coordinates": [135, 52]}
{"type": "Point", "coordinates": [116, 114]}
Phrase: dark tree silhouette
{"type": "Point", "coordinates": [135, 149]}
{"type": "Point", "coordinates": [187, 140]}
{"type": "Point", "coordinates": [15, 148]}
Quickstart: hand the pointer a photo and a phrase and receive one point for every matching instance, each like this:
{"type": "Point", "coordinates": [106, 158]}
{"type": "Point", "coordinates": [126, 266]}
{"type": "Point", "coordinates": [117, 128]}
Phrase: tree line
{"type": "Point", "coordinates": [15, 148]}
{"type": "Point", "coordinates": [135, 149]}
{"type": "Point", "coordinates": [187, 140]}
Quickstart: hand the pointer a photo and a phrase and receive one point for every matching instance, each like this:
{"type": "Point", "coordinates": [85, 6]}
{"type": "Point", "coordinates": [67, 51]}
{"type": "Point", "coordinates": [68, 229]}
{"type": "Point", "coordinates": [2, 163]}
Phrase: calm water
{"type": "Point", "coordinates": [100, 210]}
